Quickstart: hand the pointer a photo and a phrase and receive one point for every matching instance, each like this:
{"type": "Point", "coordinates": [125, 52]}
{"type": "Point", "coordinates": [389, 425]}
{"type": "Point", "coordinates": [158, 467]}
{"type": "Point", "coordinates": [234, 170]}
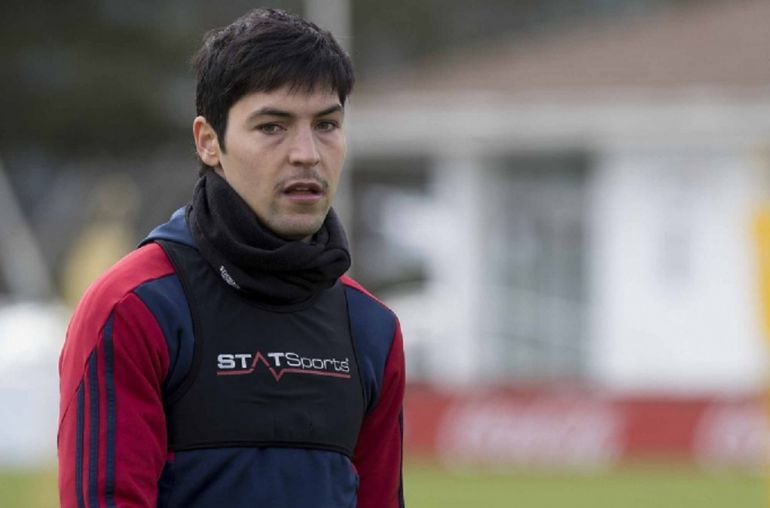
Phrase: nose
{"type": "Point", "coordinates": [304, 151]}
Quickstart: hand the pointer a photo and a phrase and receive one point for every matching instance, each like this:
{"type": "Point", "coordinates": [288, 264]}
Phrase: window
{"type": "Point", "coordinates": [535, 276]}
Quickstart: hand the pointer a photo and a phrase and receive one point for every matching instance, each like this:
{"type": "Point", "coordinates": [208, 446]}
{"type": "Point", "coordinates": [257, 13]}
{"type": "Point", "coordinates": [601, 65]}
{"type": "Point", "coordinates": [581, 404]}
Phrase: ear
{"type": "Point", "coordinates": [206, 142]}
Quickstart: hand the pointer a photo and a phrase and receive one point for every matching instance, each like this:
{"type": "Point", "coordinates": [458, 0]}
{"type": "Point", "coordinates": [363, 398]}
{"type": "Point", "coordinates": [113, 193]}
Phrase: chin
{"type": "Point", "coordinates": [298, 231]}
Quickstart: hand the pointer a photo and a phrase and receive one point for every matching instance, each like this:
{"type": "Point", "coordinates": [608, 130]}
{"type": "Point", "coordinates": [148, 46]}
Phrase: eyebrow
{"type": "Point", "coordinates": [270, 111]}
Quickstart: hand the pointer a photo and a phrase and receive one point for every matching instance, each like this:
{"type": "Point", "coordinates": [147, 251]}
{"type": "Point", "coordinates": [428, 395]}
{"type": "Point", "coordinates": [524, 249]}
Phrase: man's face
{"type": "Point", "coordinates": [285, 152]}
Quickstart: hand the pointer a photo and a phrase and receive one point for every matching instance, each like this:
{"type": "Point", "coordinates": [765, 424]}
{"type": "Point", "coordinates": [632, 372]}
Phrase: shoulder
{"type": "Point", "coordinates": [366, 309]}
{"type": "Point", "coordinates": [109, 291]}
{"type": "Point", "coordinates": [352, 286]}
{"type": "Point", "coordinates": [141, 266]}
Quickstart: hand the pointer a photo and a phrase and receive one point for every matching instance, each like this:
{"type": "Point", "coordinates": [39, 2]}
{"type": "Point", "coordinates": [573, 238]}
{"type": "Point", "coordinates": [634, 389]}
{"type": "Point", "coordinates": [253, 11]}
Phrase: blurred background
{"type": "Point", "coordinates": [567, 202]}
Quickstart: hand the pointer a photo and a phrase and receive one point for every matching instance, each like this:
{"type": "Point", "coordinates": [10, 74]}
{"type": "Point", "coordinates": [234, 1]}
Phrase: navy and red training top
{"type": "Point", "coordinates": [131, 343]}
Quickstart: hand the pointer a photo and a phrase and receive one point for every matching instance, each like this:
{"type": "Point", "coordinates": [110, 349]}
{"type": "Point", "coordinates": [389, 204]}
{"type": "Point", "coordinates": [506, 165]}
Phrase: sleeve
{"type": "Point", "coordinates": [112, 430]}
{"type": "Point", "coordinates": [378, 453]}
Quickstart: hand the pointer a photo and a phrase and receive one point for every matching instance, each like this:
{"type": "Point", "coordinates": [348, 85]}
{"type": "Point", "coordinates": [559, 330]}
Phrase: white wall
{"type": "Point", "coordinates": [674, 302]}
{"type": "Point", "coordinates": [31, 335]}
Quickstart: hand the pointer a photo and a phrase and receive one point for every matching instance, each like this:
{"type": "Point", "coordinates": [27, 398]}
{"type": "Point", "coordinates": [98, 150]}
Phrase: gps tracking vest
{"type": "Point", "coordinates": [263, 377]}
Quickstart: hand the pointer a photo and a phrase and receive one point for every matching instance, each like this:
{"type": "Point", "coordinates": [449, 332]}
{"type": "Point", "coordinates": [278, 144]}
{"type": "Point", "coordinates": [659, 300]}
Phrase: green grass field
{"type": "Point", "coordinates": [26, 489]}
{"type": "Point", "coordinates": [630, 487]}
{"type": "Point", "coordinates": [429, 487]}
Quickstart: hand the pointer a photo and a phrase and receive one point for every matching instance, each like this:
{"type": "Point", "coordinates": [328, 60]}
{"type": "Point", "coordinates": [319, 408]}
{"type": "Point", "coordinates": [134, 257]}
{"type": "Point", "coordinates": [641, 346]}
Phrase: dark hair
{"type": "Point", "coordinates": [261, 51]}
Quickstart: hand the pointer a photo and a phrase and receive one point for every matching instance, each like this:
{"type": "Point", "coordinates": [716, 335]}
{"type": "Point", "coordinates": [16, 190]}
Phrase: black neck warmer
{"type": "Point", "coordinates": [254, 260]}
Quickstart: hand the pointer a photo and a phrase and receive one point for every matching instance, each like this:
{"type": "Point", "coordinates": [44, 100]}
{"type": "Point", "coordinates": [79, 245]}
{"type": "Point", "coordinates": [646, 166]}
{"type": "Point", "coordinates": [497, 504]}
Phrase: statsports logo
{"type": "Point", "coordinates": [280, 364]}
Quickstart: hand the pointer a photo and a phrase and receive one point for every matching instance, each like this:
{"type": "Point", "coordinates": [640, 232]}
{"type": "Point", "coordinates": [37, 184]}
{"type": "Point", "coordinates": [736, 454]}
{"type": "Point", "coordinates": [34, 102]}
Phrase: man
{"type": "Point", "coordinates": [228, 362]}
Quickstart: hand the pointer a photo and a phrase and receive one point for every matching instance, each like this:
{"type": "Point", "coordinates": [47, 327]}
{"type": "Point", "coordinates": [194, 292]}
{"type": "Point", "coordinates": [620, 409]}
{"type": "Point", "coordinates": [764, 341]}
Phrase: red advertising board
{"type": "Point", "coordinates": [583, 429]}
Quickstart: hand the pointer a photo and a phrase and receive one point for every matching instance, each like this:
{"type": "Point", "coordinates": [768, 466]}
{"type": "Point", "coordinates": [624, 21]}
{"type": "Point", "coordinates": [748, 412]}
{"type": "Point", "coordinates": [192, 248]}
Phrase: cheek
{"type": "Point", "coordinates": [336, 151]}
{"type": "Point", "coordinates": [254, 164]}
{"type": "Point", "coordinates": [342, 145]}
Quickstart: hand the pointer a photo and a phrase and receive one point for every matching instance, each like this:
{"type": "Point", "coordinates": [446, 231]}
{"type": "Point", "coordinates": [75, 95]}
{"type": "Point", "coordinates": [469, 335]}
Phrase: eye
{"type": "Point", "coordinates": [270, 128]}
{"type": "Point", "coordinates": [327, 125]}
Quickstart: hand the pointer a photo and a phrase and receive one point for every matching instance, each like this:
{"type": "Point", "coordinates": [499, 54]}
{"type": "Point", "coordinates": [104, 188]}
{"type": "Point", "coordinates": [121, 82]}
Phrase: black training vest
{"type": "Point", "coordinates": [263, 377]}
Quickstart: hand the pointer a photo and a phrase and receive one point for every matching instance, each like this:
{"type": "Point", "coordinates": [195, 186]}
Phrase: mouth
{"type": "Point", "coordinates": [304, 190]}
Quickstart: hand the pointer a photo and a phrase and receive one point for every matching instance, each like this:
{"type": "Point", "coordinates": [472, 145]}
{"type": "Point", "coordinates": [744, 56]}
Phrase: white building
{"type": "Point", "coordinates": [575, 208]}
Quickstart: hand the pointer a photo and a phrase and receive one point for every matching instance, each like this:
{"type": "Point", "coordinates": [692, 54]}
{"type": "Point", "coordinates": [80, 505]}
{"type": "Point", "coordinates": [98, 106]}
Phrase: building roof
{"type": "Point", "coordinates": [714, 44]}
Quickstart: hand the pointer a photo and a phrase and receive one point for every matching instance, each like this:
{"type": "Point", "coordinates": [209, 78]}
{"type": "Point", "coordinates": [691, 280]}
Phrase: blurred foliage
{"type": "Point", "coordinates": [100, 77]}
{"type": "Point", "coordinates": [110, 78]}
